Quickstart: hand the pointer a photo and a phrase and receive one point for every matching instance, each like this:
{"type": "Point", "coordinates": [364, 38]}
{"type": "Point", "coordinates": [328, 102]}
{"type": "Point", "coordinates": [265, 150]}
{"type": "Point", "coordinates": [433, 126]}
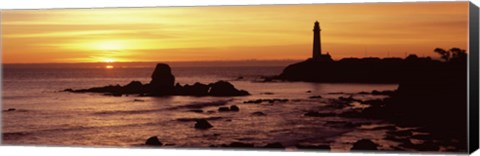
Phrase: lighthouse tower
{"type": "Point", "coordinates": [317, 46]}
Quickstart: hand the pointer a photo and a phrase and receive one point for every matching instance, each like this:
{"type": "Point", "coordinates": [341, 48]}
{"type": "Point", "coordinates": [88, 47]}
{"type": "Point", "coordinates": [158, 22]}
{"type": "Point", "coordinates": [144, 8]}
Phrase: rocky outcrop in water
{"type": "Point", "coordinates": [202, 124]}
{"type": "Point", "coordinates": [153, 141]}
{"type": "Point", "coordinates": [162, 84]}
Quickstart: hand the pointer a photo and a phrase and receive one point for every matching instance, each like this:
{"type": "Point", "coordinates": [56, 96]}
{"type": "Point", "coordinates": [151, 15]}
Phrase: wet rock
{"type": "Point", "coordinates": [267, 93]}
{"type": "Point", "coordinates": [258, 101]}
{"type": "Point", "coordinates": [11, 109]}
{"type": "Point", "coordinates": [317, 114]}
{"type": "Point", "coordinates": [116, 94]}
{"type": "Point", "coordinates": [224, 88]}
{"type": "Point", "coordinates": [138, 100]}
{"type": "Point", "coordinates": [234, 108]}
{"type": "Point", "coordinates": [259, 113]}
{"type": "Point", "coordinates": [349, 99]}
{"type": "Point", "coordinates": [274, 145]}
{"type": "Point", "coordinates": [400, 133]}
{"type": "Point", "coordinates": [343, 124]}
{"type": "Point", "coordinates": [202, 124]}
{"type": "Point", "coordinates": [364, 144]}
{"type": "Point", "coordinates": [223, 109]}
{"type": "Point", "coordinates": [385, 92]}
{"type": "Point", "coordinates": [313, 147]}
{"type": "Point", "coordinates": [153, 141]}
{"type": "Point", "coordinates": [363, 93]}
{"type": "Point", "coordinates": [239, 145]}
{"type": "Point", "coordinates": [422, 137]}
{"type": "Point", "coordinates": [162, 80]}
{"type": "Point", "coordinates": [315, 97]}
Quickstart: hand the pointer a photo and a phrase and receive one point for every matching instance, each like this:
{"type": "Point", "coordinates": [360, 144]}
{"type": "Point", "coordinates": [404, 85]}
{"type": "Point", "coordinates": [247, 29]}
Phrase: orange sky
{"type": "Point", "coordinates": [231, 32]}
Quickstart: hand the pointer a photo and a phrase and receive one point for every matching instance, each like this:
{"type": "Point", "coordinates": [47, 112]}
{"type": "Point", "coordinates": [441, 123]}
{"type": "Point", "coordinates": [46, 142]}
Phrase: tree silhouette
{"type": "Point", "coordinates": [445, 55]}
{"type": "Point", "coordinates": [454, 54]}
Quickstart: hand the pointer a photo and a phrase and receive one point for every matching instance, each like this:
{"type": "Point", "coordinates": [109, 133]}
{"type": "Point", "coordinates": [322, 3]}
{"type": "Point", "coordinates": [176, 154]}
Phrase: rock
{"type": "Point", "coordinates": [162, 80]}
{"type": "Point", "coordinates": [153, 141]}
{"type": "Point", "coordinates": [133, 87]}
{"type": "Point", "coordinates": [385, 92]}
{"type": "Point", "coordinates": [267, 93]}
{"type": "Point", "coordinates": [315, 97]}
{"type": "Point", "coordinates": [313, 147]}
{"type": "Point", "coordinates": [234, 108]}
{"type": "Point", "coordinates": [364, 144]}
{"type": "Point", "coordinates": [162, 84]}
{"type": "Point", "coordinates": [11, 109]}
{"type": "Point", "coordinates": [138, 100]}
{"type": "Point", "coordinates": [197, 89]}
{"type": "Point", "coordinates": [223, 109]}
{"type": "Point", "coordinates": [317, 114]}
{"type": "Point", "coordinates": [401, 133]}
{"type": "Point", "coordinates": [258, 101]}
{"type": "Point", "coordinates": [274, 145]}
{"type": "Point", "coordinates": [343, 124]}
{"type": "Point", "coordinates": [259, 113]}
{"type": "Point", "coordinates": [239, 145]}
{"type": "Point", "coordinates": [224, 88]}
{"type": "Point", "coordinates": [116, 94]}
{"type": "Point", "coordinates": [202, 124]}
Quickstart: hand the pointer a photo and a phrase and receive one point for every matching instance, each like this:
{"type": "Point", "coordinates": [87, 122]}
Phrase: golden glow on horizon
{"type": "Point", "coordinates": [231, 32]}
{"type": "Point", "coordinates": [109, 60]}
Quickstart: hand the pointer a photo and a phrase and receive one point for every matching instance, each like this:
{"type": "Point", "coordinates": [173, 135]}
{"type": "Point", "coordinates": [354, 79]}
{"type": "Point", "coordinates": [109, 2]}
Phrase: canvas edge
{"type": "Point", "coordinates": [473, 76]}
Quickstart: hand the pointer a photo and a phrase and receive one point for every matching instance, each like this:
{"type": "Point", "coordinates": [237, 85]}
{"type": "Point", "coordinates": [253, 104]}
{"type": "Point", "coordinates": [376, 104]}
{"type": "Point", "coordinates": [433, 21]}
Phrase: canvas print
{"type": "Point", "coordinates": [320, 77]}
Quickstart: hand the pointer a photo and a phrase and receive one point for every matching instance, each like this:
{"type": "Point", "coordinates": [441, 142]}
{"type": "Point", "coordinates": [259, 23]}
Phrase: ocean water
{"type": "Point", "coordinates": [44, 115]}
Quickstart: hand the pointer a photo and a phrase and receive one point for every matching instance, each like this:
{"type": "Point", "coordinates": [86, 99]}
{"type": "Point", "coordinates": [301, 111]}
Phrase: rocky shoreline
{"type": "Point", "coordinates": [162, 84]}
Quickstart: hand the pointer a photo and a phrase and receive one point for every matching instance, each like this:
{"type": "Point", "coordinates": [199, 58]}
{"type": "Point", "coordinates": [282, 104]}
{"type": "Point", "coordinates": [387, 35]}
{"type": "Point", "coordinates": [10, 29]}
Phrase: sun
{"type": "Point", "coordinates": [108, 60]}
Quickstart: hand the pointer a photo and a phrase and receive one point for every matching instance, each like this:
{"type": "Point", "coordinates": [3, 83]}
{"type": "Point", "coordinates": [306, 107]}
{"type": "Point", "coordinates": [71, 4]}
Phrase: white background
{"type": "Point", "coordinates": [77, 151]}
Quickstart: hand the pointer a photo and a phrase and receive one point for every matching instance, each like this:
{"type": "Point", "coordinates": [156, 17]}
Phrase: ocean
{"type": "Point", "coordinates": [42, 114]}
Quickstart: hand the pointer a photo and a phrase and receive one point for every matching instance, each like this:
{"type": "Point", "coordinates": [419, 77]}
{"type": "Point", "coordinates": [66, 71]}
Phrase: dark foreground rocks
{"type": "Point", "coordinates": [153, 141]}
{"type": "Point", "coordinates": [364, 144]}
{"type": "Point", "coordinates": [202, 124]}
{"type": "Point", "coordinates": [162, 84]}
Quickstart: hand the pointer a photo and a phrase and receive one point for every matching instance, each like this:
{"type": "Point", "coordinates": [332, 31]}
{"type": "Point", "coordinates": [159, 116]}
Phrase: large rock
{"type": "Point", "coordinates": [364, 144]}
{"type": "Point", "coordinates": [162, 82]}
{"type": "Point", "coordinates": [224, 88]}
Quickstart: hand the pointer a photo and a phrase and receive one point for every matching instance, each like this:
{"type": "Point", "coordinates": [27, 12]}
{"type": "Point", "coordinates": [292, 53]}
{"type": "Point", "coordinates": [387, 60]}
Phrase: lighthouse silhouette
{"type": "Point", "coordinates": [317, 45]}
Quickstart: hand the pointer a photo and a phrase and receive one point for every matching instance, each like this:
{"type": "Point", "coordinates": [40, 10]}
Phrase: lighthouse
{"type": "Point", "coordinates": [317, 46]}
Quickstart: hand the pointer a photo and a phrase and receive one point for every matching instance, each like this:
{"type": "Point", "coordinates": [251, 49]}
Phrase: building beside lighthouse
{"type": "Point", "coordinates": [317, 45]}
